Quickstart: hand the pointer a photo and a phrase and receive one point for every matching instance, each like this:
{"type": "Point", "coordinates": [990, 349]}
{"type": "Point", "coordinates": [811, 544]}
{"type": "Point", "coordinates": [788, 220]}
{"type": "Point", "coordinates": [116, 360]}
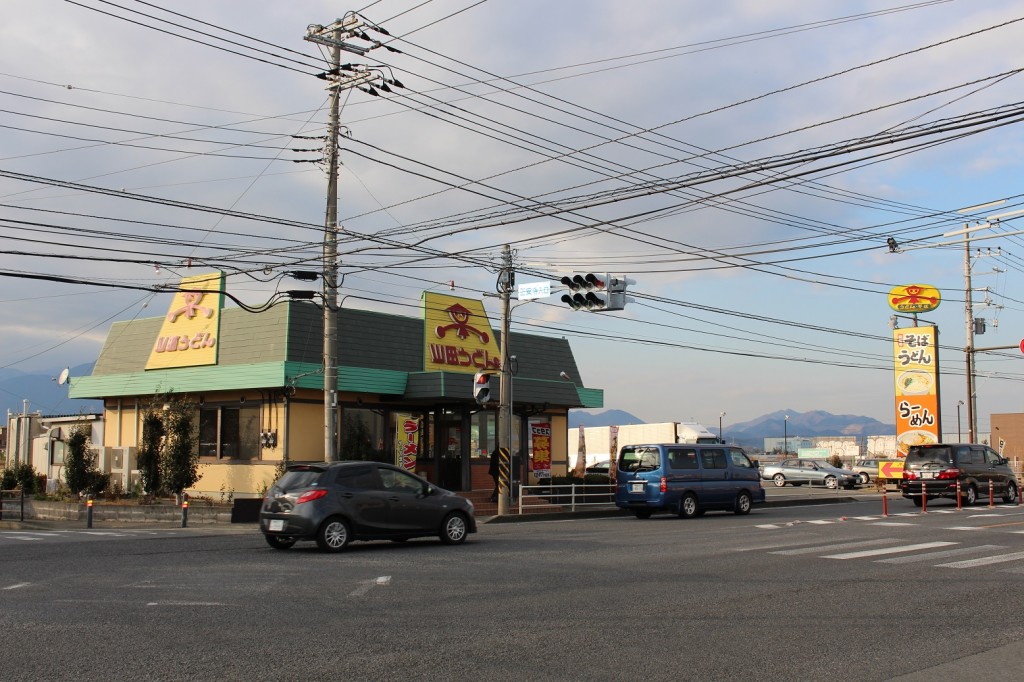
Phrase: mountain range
{"type": "Point", "coordinates": [753, 432]}
{"type": "Point", "coordinates": [43, 393]}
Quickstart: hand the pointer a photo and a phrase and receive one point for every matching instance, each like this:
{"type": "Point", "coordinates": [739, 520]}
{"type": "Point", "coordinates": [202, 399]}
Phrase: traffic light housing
{"type": "Point", "coordinates": [596, 292]}
{"type": "Point", "coordinates": [482, 387]}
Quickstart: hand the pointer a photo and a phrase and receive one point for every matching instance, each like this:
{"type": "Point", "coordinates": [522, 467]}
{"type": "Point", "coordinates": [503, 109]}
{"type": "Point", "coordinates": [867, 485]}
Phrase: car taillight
{"type": "Point", "coordinates": [909, 475]}
{"type": "Point", "coordinates": [952, 473]}
{"type": "Point", "coordinates": [311, 495]}
{"type": "Point", "coordinates": [664, 484]}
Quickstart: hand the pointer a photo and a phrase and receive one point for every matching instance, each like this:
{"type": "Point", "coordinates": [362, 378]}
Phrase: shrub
{"type": "Point", "coordinates": [148, 459]}
{"type": "Point", "coordinates": [24, 476]}
{"type": "Point", "coordinates": [80, 472]}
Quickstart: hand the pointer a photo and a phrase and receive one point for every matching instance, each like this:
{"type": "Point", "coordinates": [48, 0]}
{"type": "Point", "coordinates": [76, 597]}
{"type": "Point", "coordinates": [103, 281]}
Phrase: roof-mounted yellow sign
{"type": "Point", "coordinates": [189, 333]}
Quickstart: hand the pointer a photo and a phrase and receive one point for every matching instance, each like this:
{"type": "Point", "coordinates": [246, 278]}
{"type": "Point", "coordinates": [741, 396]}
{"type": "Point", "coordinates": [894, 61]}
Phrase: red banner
{"type": "Point", "coordinates": [541, 434]}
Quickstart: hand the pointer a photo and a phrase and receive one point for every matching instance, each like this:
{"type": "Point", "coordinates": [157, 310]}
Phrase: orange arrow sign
{"type": "Point", "coordinates": [890, 469]}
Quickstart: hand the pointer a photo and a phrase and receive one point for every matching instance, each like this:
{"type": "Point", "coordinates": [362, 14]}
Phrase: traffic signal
{"type": "Point", "coordinates": [596, 292]}
{"type": "Point", "coordinates": [482, 387]}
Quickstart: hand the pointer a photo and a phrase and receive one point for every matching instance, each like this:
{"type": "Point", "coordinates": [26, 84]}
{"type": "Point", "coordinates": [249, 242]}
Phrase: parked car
{"type": "Point", "coordinates": [334, 503]}
{"type": "Point", "coordinates": [811, 471]}
{"type": "Point", "coordinates": [868, 468]}
{"type": "Point", "coordinates": [601, 467]}
{"type": "Point", "coordinates": [685, 479]}
{"type": "Point", "coordinates": [938, 467]}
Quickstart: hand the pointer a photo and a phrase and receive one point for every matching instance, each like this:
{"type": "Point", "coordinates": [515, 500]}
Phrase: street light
{"type": "Point", "coordinates": [785, 437]}
{"type": "Point", "coordinates": [959, 435]}
{"type": "Point", "coordinates": [720, 440]}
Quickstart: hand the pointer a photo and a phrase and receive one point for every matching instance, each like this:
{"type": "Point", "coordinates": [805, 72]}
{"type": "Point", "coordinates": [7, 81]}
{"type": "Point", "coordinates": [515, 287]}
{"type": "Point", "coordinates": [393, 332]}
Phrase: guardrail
{"type": "Point", "coordinates": [533, 498]}
{"type": "Point", "coordinates": [12, 504]}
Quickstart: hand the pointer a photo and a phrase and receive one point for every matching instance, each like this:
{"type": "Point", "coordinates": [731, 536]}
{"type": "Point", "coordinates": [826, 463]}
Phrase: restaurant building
{"type": "Point", "coordinates": [404, 390]}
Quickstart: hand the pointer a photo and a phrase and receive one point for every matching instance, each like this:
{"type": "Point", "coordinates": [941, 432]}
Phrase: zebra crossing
{"type": "Point", "coordinates": [896, 519]}
{"type": "Point", "coordinates": [25, 536]}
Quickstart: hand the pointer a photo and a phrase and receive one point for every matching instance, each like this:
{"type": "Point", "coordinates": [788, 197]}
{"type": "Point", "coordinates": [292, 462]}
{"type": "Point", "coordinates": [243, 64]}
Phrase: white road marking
{"type": "Point", "coordinates": [984, 561]}
{"type": "Point", "coordinates": [16, 586]}
{"type": "Point", "coordinates": [821, 522]}
{"type": "Point", "coordinates": [186, 603]}
{"type": "Point", "coordinates": [893, 523]}
{"type": "Point", "coordinates": [828, 548]}
{"type": "Point", "coordinates": [962, 528]}
{"type": "Point", "coordinates": [367, 585]}
{"type": "Point", "coordinates": [931, 556]}
{"type": "Point", "coordinates": [888, 550]}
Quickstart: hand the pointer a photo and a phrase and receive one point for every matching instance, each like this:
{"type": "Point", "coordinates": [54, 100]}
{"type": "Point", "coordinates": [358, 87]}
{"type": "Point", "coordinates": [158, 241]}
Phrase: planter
{"type": "Point", "coordinates": [166, 512]}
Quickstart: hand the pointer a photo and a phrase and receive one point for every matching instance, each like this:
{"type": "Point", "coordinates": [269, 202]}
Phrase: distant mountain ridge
{"type": "Point", "coordinates": [753, 432]}
{"type": "Point", "coordinates": [43, 392]}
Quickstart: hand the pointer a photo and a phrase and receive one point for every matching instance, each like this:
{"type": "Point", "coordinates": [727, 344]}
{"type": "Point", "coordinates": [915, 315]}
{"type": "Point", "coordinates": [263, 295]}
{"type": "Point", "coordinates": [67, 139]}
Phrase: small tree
{"type": "Point", "coordinates": [180, 457]}
{"type": "Point", "coordinates": [80, 469]}
{"type": "Point", "coordinates": [148, 459]}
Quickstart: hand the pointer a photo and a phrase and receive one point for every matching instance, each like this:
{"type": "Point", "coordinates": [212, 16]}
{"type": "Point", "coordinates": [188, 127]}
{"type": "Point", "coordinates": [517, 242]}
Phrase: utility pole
{"type": "Point", "coordinates": [334, 37]}
{"type": "Point", "coordinates": [330, 268]}
{"type": "Point", "coordinates": [969, 349]}
{"type": "Point", "coordinates": [506, 281]}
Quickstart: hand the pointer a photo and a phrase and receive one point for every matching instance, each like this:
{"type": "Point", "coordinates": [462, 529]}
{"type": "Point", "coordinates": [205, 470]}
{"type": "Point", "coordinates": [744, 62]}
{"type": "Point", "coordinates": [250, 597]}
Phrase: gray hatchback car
{"type": "Point", "coordinates": [334, 503]}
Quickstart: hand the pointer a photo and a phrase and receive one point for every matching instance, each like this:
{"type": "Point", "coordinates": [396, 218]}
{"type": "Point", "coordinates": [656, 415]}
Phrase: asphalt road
{"type": "Point", "coordinates": [800, 593]}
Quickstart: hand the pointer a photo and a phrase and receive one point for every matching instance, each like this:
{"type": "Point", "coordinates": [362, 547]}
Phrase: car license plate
{"type": "Point", "coordinates": [636, 487]}
{"type": "Point", "coordinates": [276, 524]}
{"type": "Point", "coordinates": [927, 474]}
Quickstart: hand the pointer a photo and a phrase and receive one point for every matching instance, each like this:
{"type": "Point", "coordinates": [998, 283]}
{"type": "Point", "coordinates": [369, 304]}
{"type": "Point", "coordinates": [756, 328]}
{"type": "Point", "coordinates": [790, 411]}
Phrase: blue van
{"type": "Point", "coordinates": [686, 479]}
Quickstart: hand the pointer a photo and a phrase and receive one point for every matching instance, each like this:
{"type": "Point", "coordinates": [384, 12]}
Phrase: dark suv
{"type": "Point", "coordinates": [938, 467]}
{"type": "Point", "coordinates": [336, 502]}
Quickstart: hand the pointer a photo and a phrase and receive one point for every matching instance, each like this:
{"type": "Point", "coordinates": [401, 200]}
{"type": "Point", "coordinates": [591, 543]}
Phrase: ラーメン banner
{"type": "Point", "coordinates": [916, 362]}
{"type": "Point", "coordinates": [189, 333]}
{"type": "Point", "coordinates": [457, 336]}
{"type": "Point", "coordinates": [407, 441]}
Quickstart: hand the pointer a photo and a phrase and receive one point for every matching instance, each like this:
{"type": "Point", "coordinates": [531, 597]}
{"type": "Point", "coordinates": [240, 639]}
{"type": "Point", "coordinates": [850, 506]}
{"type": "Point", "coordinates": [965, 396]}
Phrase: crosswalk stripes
{"type": "Point", "coordinates": [945, 554]}
{"type": "Point", "coordinates": [887, 550]}
{"type": "Point", "coordinates": [984, 561]}
{"type": "Point", "coordinates": [879, 549]}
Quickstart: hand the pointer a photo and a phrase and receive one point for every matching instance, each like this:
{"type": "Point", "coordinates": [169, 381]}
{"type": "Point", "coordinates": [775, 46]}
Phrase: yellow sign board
{"type": "Point", "coordinates": [914, 298]}
{"type": "Point", "coordinates": [916, 363]}
{"type": "Point", "coordinates": [890, 470]}
{"type": "Point", "coordinates": [189, 333]}
{"type": "Point", "coordinates": [457, 336]}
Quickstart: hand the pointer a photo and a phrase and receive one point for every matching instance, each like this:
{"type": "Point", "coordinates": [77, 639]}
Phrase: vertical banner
{"type": "Point", "coordinates": [407, 441]}
{"type": "Point", "coordinates": [916, 361]}
{"type": "Point", "coordinates": [613, 450]}
{"type": "Point", "coordinates": [541, 446]}
{"type": "Point", "coordinates": [581, 455]}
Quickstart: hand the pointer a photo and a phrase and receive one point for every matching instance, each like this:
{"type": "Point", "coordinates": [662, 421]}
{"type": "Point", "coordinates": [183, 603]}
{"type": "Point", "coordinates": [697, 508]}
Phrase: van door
{"type": "Point", "coordinates": [683, 473]}
{"type": "Point", "coordinates": [714, 476]}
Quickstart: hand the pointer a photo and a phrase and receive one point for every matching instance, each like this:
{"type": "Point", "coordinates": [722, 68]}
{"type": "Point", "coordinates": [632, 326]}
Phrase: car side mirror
{"type": "Point", "coordinates": [428, 490]}
{"type": "Point", "coordinates": [1003, 460]}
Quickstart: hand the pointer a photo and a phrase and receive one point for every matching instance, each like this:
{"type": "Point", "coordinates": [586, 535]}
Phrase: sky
{"type": "Point", "coordinates": [743, 162]}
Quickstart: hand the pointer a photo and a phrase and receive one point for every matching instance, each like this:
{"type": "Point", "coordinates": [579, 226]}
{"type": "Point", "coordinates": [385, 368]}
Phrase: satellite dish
{"type": "Point", "coordinates": [63, 378]}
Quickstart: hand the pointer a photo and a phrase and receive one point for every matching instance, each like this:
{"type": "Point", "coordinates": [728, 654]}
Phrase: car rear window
{"type": "Point", "coordinates": [918, 455]}
{"type": "Point", "coordinates": [639, 459]}
{"type": "Point", "coordinates": [299, 478]}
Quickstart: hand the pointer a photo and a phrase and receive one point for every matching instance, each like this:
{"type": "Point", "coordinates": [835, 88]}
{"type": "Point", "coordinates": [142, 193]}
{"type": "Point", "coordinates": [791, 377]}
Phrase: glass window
{"type": "Point", "coordinates": [713, 459]}
{"type": "Point", "coordinates": [229, 432]}
{"type": "Point", "coordinates": [639, 459]}
{"type": "Point", "coordinates": [359, 478]}
{"type": "Point", "coordinates": [398, 481]}
{"type": "Point", "coordinates": [362, 436]}
{"type": "Point", "coordinates": [682, 458]}
{"type": "Point", "coordinates": [739, 459]}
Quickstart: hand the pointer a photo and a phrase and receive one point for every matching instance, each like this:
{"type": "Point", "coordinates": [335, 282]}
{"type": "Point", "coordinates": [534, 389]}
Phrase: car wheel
{"type": "Point", "coordinates": [279, 541]}
{"type": "Point", "coordinates": [779, 480]}
{"type": "Point", "coordinates": [454, 529]}
{"type": "Point", "coordinates": [1011, 493]}
{"type": "Point", "coordinates": [830, 482]}
{"type": "Point", "coordinates": [333, 535]}
{"type": "Point", "coordinates": [918, 501]}
{"type": "Point", "coordinates": [970, 496]}
{"type": "Point", "coordinates": [688, 506]}
{"type": "Point", "coordinates": [642, 513]}
{"type": "Point", "coordinates": [864, 478]}
{"type": "Point", "coordinates": [743, 503]}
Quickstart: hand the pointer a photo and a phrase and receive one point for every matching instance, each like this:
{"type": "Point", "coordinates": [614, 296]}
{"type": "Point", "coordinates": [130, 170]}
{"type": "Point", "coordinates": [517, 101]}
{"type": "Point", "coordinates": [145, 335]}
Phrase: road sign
{"type": "Point", "coordinates": [1022, 345]}
{"type": "Point", "coordinates": [534, 290]}
{"type": "Point", "coordinates": [890, 470]}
